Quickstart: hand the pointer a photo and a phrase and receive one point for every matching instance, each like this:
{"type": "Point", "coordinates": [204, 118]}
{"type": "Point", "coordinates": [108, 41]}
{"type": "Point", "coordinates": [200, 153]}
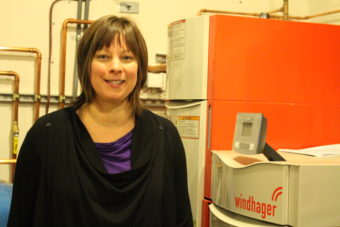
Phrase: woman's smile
{"type": "Point", "coordinates": [115, 82]}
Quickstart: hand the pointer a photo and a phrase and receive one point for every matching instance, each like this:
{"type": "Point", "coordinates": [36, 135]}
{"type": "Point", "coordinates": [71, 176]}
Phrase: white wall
{"type": "Point", "coordinates": [25, 24]}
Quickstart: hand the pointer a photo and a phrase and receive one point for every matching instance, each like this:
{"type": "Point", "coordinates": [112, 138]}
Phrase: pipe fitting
{"type": "Point", "coordinates": [15, 97]}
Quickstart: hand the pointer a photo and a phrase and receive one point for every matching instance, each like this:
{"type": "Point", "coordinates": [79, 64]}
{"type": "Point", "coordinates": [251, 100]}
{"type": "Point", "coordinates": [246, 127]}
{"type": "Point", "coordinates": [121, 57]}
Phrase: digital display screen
{"type": "Point", "coordinates": [246, 128]}
{"type": "Point", "coordinates": [250, 133]}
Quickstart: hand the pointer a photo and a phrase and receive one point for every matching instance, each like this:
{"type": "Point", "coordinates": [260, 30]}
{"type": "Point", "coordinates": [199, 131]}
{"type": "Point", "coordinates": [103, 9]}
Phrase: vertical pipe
{"type": "Point", "coordinates": [15, 138]}
{"type": "Point", "coordinates": [37, 97]}
{"type": "Point", "coordinates": [15, 125]}
{"type": "Point", "coordinates": [63, 58]}
{"type": "Point", "coordinates": [37, 76]}
{"type": "Point", "coordinates": [75, 70]}
{"type": "Point", "coordinates": [79, 10]}
{"type": "Point", "coordinates": [79, 13]}
{"type": "Point", "coordinates": [87, 10]}
{"type": "Point", "coordinates": [62, 65]}
{"type": "Point", "coordinates": [48, 97]}
{"type": "Point", "coordinates": [285, 10]}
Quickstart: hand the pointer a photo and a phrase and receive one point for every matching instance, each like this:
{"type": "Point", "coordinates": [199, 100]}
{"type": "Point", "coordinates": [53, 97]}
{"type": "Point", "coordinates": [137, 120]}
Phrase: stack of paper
{"type": "Point", "coordinates": [320, 151]}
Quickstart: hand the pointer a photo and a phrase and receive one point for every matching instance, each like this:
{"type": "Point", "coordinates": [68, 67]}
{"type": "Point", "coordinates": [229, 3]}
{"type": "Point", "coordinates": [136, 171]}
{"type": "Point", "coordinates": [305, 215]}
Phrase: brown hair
{"type": "Point", "coordinates": [101, 33]}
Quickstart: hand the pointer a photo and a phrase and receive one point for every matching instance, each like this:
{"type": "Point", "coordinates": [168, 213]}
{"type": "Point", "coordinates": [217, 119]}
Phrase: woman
{"type": "Point", "coordinates": [105, 161]}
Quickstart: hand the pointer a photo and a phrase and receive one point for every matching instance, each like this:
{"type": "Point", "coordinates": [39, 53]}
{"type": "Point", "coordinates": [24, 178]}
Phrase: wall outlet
{"type": "Point", "coordinates": [129, 7]}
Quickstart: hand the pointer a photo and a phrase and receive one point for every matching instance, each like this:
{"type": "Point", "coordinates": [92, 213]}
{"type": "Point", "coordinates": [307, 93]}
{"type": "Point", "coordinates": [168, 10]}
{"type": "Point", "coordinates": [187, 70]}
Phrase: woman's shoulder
{"type": "Point", "coordinates": [55, 117]}
{"type": "Point", "coordinates": [151, 120]}
{"type": "Point", "coordinates": [159, 120]}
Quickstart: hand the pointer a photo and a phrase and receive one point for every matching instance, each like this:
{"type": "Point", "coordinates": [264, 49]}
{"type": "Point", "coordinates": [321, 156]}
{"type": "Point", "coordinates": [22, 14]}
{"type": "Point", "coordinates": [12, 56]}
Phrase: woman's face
{"type": "Point", "coordinates": [113, 73]}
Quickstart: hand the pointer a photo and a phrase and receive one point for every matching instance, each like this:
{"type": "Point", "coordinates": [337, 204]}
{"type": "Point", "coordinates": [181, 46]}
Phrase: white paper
{"type": "Point", "coordinates": [320, 151]}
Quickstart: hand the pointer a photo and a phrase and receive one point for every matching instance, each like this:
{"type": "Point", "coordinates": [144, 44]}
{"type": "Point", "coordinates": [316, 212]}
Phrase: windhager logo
{"type": "Point", "coordinates": [262, 208]}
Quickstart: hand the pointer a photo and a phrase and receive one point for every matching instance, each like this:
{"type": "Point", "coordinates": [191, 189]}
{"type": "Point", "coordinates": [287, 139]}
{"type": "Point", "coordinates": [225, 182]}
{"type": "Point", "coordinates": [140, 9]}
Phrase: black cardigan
{"type": "Point", "coordinates": [60, 179]}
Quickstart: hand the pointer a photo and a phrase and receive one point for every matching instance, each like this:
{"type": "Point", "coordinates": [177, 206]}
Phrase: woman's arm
{"type": "Point", "coordinates": [25, 183]}
{"type": "Point", "coordinates": [183, 208]}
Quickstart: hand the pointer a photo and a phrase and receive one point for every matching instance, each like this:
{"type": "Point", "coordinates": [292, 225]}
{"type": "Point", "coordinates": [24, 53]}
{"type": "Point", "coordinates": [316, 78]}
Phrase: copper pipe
{"type": "Point", "coordinates": [63, 57]}
{"type": "Point", "coordinates": [227, 12]}
{"type": "Point", "coordinates": [38, 74]}
{"type": "Point", "coordinates": [8, 161]}
{"type": "Point", "coordinates": [276, 10]}
{"type": "Point", "coordinates": [15, 92]}
{"type": "Point", "coordinates": [285, 10]}
{"type": "Point", "coordinates": [48, 96]}
{"type": "Point", "coordinates": [161, 68]}
{"type": "Point", "coordinates": [236, 13]}
{"type": "Point", "coordinates": [315, 15]}
{"type": "Point", "coordinates": [15, 126]}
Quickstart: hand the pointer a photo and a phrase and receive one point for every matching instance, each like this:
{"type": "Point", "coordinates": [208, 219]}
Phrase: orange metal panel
{"type": "Point", "coordinates": [289, 125]}
{"type": "Point", "coordinates": [254, 59]}
{"type": "Point", "coordinates": [205, 213]}
{"type": "Point", "coordinates": [289, 71]}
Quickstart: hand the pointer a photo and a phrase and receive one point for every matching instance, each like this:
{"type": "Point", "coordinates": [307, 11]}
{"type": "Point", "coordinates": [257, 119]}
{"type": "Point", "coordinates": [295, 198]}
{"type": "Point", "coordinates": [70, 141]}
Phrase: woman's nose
{"type": "Point", "coordinates": [116, 65]}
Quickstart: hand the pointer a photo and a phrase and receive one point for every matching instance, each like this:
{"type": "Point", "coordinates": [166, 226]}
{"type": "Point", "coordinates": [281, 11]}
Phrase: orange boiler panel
{"type": "Point", "coordinates": [289, 71]}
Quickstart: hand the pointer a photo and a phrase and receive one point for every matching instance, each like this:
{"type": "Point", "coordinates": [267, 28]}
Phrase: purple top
{"type": "Point", "coordinates": [116, 155]}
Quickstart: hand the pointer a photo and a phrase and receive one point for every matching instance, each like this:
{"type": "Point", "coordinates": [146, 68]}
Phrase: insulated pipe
{"type": "Point", "coordinates": [87, 10]}
{"type": "Point", "coordinates": [75, 70]}
{"type": "Point", "coordinates": [15, 126]}
{"type": "Point", "coordinates": [86, 17]}
{"type": "Point", "coordinates": [63, 58]}
{"type": "Point", "coordinates": [79, 10]}
{"type": "Point", "coordinates": [37, 78]}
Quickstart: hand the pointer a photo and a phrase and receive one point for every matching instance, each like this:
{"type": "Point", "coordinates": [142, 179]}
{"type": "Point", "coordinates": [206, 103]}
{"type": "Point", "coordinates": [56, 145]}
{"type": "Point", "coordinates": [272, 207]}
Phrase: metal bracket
{"type": "Point", "coordinates": [129, 7]}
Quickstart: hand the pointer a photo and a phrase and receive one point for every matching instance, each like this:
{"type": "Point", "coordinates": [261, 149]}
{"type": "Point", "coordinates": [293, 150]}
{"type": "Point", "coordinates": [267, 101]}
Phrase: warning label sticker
{"type": "Point", "coordinates": [188, 126]}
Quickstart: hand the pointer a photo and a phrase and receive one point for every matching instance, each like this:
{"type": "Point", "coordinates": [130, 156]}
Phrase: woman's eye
{"type": "Point", "coordinates": [102, 56]}
{"type": "Point", "coordinates": [127, 58]}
